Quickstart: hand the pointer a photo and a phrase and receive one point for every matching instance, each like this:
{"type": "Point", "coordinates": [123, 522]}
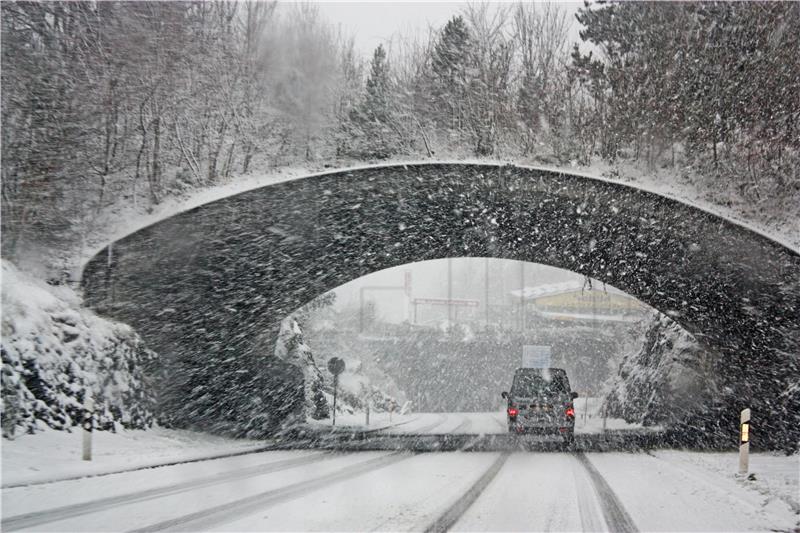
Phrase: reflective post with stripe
{"type": "Point", "coordinates": [744, 442]}
{"type": "Point", "coordinates": [88, 426]}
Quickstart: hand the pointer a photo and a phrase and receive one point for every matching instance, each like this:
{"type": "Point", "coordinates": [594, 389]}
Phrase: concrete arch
{"type": "Point", "coordinates": [205, 282]}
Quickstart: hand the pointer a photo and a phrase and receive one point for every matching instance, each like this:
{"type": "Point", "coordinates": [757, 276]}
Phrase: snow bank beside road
{"type": "Point", "coordinates": [690, 491]}
{"type": "Point", "coordinates": [54, 351]}
{"type": "Point", "coordinates": [773, 475]}
{"type": "Point", "coordinates": [55, 455]}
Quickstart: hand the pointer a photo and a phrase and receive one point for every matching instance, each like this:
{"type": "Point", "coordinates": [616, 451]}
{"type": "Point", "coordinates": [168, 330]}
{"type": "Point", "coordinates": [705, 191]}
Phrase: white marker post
{"type": "Point", "coordinates": [744, 442]}
{"type": "Point", "coordinates": [88, 424]}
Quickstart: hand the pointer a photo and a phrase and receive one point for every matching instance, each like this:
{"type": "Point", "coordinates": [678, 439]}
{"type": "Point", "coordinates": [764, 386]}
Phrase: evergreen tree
{"type": "Point", "coordinates": [374, 130]}
{"type": "Point", "coordinates": [376, 104]}
{"type": "Point", "coordinates": [450, 72]}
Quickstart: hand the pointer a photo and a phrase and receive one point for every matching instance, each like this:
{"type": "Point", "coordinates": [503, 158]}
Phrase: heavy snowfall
{"type": "Point", "coordinates": [298, 266]}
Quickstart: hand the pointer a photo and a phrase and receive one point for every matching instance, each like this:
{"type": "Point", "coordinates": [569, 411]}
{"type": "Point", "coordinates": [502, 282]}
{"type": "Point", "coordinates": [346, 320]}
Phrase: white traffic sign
{"type": "Point", "coordinates": [536, 356]}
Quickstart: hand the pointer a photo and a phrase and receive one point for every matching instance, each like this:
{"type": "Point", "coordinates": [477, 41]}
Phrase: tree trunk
{"type": "Point", "coordinates": [155, 176]}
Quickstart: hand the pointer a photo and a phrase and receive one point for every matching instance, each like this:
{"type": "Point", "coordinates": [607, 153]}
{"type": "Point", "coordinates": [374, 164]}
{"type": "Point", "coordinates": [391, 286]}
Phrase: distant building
{"type": "Point", "coordinates": [574, 301]}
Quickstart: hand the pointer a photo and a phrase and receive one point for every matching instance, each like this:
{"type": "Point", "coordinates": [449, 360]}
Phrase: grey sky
{"type": "Point", "coordinates": [376, 22]}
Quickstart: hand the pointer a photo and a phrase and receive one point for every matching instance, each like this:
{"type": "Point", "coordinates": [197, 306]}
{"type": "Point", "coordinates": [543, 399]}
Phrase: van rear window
{"type": "Point", "coordinates": [534, 384]}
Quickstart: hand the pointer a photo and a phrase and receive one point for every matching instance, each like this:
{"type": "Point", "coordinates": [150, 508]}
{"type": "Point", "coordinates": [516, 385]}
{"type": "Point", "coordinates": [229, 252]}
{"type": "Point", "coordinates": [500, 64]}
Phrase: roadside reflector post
{"type": "Point", "coordinates": [367, 410]}
{"type": "Point", "coordinates": [88, 425]}
{"type": "Point", "coordinates": [585, 407]}
{"type": "Point", "coordinates": [744, 442]}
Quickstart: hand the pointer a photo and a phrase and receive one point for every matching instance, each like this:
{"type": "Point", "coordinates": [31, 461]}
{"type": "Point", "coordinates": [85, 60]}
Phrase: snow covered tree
{"type": "Point", "coordinates": [291, 347]}
{"type": "Point", "coordinates": [373, 128]}
{"type": "Point", "coordinates": [449, 75]}
{"type": "Point", "coordinates": [54, 354]}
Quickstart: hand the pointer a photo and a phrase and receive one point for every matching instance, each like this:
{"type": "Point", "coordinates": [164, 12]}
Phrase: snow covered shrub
{"type": "Point", "coordinates": [291, 347]}
{"type": "Point", "coordinates": [54, 352]}
{"type": "Point", "coordinates": [668, 377]}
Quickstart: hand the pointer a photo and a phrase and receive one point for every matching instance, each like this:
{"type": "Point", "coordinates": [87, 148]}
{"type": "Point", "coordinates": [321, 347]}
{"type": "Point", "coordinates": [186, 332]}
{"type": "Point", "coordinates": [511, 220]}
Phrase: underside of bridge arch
{"type": "Point", "coordinates": [201, 286]}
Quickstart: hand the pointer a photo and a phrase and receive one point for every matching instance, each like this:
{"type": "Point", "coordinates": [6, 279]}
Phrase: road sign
{"type": "Point", "coordinates": [335, 365]}
{"type": "Point", "coordinates": [536, 356]}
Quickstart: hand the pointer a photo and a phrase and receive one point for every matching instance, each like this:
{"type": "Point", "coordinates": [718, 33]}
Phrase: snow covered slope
{"type": "Point", "coordinates": [668, 376]}
{"type": "Point", "coordinates": [54, 352]}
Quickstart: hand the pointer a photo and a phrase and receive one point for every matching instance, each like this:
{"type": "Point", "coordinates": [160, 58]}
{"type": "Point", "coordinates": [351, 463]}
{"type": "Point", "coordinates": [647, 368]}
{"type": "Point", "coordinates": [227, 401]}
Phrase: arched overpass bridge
{"type": "Point", "coordinates": [203, 286]}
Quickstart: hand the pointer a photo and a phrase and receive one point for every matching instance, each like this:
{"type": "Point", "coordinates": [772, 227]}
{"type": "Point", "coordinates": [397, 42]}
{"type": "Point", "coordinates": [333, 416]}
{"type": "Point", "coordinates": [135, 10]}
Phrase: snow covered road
{"type": "Point", "coordinates": [486, 423]}
{"type": "Point", "coordinates": [464, 491]}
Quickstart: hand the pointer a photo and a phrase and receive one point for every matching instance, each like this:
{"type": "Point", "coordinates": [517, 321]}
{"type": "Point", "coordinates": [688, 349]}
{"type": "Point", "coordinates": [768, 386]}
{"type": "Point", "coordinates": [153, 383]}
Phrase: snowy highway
{"type": "Point", "coordinates": [313, 490]}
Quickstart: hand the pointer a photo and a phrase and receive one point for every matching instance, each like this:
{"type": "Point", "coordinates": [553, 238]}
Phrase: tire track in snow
{"type": "Point", "coordinates": [463, 427]}
{"type": "Point", "coordinates": [424, 429]}
{"type": "Point", "coordinates": [27, 520]}
{"type": "Point", "coordinates": [616, 517]}
{"type": "Point", "coordinates": [588, 501]}
{"type": "Point", "coordinates": [390, 426]}
{"type": "Point", "coordinates": [207, 518]}
{"type": "Point", "coordinates": [447, 519]}
{"type": "Point", "coordinates": [260, 449]}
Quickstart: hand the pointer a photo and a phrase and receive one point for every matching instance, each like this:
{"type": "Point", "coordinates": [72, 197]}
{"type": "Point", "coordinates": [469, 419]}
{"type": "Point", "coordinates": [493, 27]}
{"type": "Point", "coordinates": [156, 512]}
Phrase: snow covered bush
{"type": "Point", "coordinates": [667, 377]}
{"type": "Point", "coordinates": [54, 352]}
{"type": "Point", "coordinates": [291, 347]}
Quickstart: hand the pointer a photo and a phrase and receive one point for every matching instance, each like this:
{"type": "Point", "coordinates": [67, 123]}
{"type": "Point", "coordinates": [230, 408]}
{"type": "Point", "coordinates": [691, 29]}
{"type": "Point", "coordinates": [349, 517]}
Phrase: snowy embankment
{"type": "Point", "coordinates": [666, 378]}
{"type": "Point", "coordinates": [55, 353]}
{"type": "Point", "coordinates": [56, 455]}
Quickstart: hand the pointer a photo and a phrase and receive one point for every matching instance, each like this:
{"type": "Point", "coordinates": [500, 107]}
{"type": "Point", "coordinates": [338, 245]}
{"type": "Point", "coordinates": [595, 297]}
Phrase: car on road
{"type": "Point", "coordinates": [540, 402]}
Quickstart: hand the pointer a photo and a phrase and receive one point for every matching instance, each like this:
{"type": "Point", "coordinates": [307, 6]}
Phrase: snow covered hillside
{"type": "Point", "coordinates": [663, 379]}
{"type": "Point", "coordinates": [54, 352]}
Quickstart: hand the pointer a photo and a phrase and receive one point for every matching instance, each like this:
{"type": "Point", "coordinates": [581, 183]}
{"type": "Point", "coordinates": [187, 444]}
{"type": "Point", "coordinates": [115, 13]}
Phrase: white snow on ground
{"type": "Point", "coordinates": [774, 475]}
{"type": "Point", "coordinates": [536, 492]}
{"type": "Point", "coordinates": [403, 497]}
{"type": "Point", "coordinates": [154, 510]}
{"type": "Point", "coordinates": [668, 491]}
{"type": "Point", "coordinates": [52, 455]}
{"type": "Point", "coordinates": [123, 220]}
{"type": "Point", "coordinates": [470, 423]}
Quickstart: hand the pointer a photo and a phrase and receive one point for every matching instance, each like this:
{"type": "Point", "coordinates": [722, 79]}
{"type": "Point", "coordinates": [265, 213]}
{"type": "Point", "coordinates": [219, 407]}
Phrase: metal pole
{"type": "Point", "coordinates": [449, 292]}
{"type": "Point", "coordinates": [367, 403]}
{"type": "Point", "coordinates": [360, 313]}
{"type": "Point", "coordinates": [486, 288]}
{"type": "Point", "coordinates": [335, 386]}
{"type": "Point", "coordinates": [744, 442]}
{"type": "Point", "coordinates": [585, 408]}
{"type": "Point", "coordinates": [522, 296]}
